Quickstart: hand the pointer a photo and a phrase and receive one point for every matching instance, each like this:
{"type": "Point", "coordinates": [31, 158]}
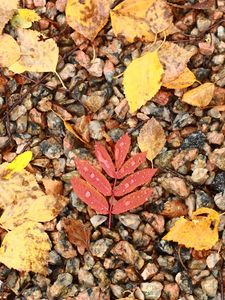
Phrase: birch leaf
{"type": "Point", "coordinates": [201, 233]}
{"type": "Point", "coordinates": [200, 96]}
{"type": "Point", "coordinates": [184, 80]}
{"type": "Point", "coordinates": [36, 55]}
{"type": "Point", "coordinates": [142, 80]}
{"type": "Point", "coordinates": [24, 18]}
{"type": "Point", "coordinates": [7, 10]}
{"type": "Point", "coordinates": [151, 138]}
{"type": "Point", "coordinates": [9, 50]}
{"type": "Point", "coordinates": [26, 248]}
{"type": "Point", "coordinates": [87, 17]}
{"type": "Point", "coordinates": [18, 164]}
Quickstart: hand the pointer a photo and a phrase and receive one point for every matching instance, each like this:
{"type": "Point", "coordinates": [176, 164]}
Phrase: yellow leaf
{"type": "Point", "coordinates": [36, 55]}
{"type": "Point", "coordinates": [7, 10]}
{"type": "Point", "coordinates": [200, 96]}
{"type": "Point", "coordinates": [174, 59]}
{"type": "Point", "coordinates": [9, 50]}
{"type": "Point", "coordinates": [23, 200]}
{"type": "Point", "coordinates": [141, 19]}
{"type": "Point", "coordinates": [142, 80]}
{"type": "Point", "coordinates": [184, 80]}
{"type": "Point", "coordinates": [87, 17]}
{"type": "Point", "coordinates": [151, 138]}
{"type": "Point", "coordinates": [26, 248]}
{"type": "Point", "coordinates": [24, 18]}
{"type": "Point", "coordinates": [201, 233]}
{"type": "Point", "coordinates": [18, 164]}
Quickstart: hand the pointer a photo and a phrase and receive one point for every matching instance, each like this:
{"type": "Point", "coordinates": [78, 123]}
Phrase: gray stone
{"type": "Point", "coordinates": [100, 247]}
{"type": "Point", "coordinates": [85, 278]}
{"type": "Point", "coordinates": [130, 220]}
{"type": "Point", "coordinates": [209, 286]}
{"type": "Point", "coordinates": [17, 112]}
{"type": "Point", "coordinates": [219, 199]}
{"type": "Point", "coordinates": [68, 71]}
{"type": "Point", "coordinates": [95, 130]}
{"type": "Point", "coordinates": [51, 148]}
{"type": "Point", "coordinates": [152, 290]}
{"type": "Point", "coordinates": [97, 220]}
{"type": "Point", "coordinates": [202, 23]}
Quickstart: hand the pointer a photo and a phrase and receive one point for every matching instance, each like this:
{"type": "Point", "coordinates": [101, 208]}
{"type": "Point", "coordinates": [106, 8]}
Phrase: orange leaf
{"type": "Point", "coordinates": [201, 233]}
{"type": "Point", "coordinates": [200, 96]}
{"type": "Point", "coordinates": [184, 80]}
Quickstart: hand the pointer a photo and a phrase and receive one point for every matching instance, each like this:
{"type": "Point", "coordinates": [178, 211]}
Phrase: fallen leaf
{"type": "Point", "coordinates": [200, 96]}
{"type": "Point", "coordinates": [121, 150]}
{"type": "Point", "coordinates": [7, 10]}
{"type": "Point", "coordinates": [174, 208]}
{"type": "Point", "coordinates": [87, 17]}
{"type": "Point", "coordinates": [201, 233]}
{"type": "Point", "coordinates": [26, 248]}
{"type": "Point", "coordinates": [174, 59]}
{"type": "Point", "coordinates": [9, 50]}
{"type": "Point", "coordinates": [23, 200]}
{"type": "Point", "coordinates": [52, 187]}
{"type": "Point", "coordinates": [24, 18]}
{"type": "Point", "coordinates": [18, 164]}
{"type": "Point", "coordinates": [129, 20]}
{"type": "Point", "coordinates": [151, 138]}
{"type": "Point", "coordinates": [184, 80]}
{"type": "Point", "coordinates": [159, 16]}
{"type": "Point", "coordinates": [78, 233]}
{"type": "Point", "coordinates": [36, 55]}
{"type": "Point", "coordinates": [142, 80]}
{"type": "Point", "coordinates": [105, 160]}
{"type": "Point", "coordinates": [131, 201]}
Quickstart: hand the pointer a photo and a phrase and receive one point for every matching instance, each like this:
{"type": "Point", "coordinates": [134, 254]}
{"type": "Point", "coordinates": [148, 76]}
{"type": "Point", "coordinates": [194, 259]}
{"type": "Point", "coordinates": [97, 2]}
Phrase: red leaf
{"type": "Point", "coordinates": [131, 201]}
{"type": "Point", "coordinates": [131, 164]}
{"type": "Point", "coordinates": [78, 233]}
{"type": "Point", "coordinates": [133, 181]}
{"type": "Point", "coordinates": [90, 195]}
{"type": "Point", "coordinates": [105, 160]}
{"type": "Point", "coordinates": [94, 177]}
{"type": "Point", "coordinates": [121, 149]}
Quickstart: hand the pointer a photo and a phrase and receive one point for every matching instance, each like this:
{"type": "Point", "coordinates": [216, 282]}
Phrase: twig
{"type": "Point", "coordinates": [180, 259]}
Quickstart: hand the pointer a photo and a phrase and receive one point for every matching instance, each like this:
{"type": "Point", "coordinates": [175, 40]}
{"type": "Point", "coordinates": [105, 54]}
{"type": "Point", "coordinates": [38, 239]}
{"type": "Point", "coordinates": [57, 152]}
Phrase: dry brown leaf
{"type": "Point", "coordinates": [151, 138]}
{"type": "Point", "coordinates": [87, 17]}
{"type": "Point", "coordinates": [175, 59]}
{"type": "Point", "coordinates": [142, 80]}
{"type": "Point", "coordinates": [7, 10]}
{"type": "Point", "coordinates": [26, 248]}
{"type": "Point", "coordinates": [159, 16]}
{"type": "Point", "coordinates": [36, 55]}
{"type": "Point", "coordinates": [201, 233]}
{"type": "Point", "coordinates": [9, 50]}
{"type": "Point", "coordinates": [200, 96]}
{"type": "Point", "coordinates": [78, 233]}
{"type": "Point", "coordinates": [23, 200]}
{"type": "Point", "coordinates": [184, 80]}
{"type": "Point", "coordinates": [53, 187]}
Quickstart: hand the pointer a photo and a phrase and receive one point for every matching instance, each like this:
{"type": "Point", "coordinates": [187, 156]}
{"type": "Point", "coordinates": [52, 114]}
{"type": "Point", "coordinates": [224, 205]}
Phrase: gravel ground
{"type": "Point", "coordinates": [130, 260]}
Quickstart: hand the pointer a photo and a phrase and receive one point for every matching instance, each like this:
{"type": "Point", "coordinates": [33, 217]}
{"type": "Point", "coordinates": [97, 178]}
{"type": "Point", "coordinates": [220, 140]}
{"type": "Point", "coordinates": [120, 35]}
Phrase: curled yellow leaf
{"type": "Point", "coordinates": [200, 96]}
{"type": "Point", "coordinates": [18, 164]}
{"type": "Point", "coordinates": [142, 80]}
{"type": "Point", "coordinates": [184, 80]}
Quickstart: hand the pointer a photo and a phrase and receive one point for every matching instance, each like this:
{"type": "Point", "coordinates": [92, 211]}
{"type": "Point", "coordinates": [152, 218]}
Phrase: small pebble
{"type": "Point", "coordinates": [152, 290]}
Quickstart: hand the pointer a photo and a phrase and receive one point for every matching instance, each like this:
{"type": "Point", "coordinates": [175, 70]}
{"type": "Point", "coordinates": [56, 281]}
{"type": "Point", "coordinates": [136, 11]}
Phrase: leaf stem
{"type": "Point", "coordinates": [112, 200]}
{"type": "Point", "coordinates": [60, 79]}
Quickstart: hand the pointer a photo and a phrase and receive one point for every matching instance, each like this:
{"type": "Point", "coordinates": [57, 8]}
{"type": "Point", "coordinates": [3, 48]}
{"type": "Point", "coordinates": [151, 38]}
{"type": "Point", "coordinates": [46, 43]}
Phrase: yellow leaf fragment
{"type": "Point", "coordinates": [142, 80]}
{"type": "Point", "coordinates": [26, 248]}
{"type": "Point", "coordinates": [36, 55]}
{"type": "Point", "coordinates": [7, 10]}
{"type": "Point", "coordinates": [24, 18]}
{"type": "Point", "coordinates": [87, 17]}
{"type": "Point", "coordinates": [159, 16]}
{"type": "Point", "coordinates": [141, 19]}
{"type": "Point", "coordinates": [174, 59]}
{"type": "Point", "coordinates": [201, 233]}
{"type": "Point", "coordinates": [18, 164]}
{"type": "Point", "coordinates": [151, 138]}
{"type": "Point", "coordinates": [23, 200]}
{"type": "Point", "coordinates": [9, 50]}
{"type": "Point", "coordinates": [200, 96]}
{"type": "Point", "coordinates": [184, 80]}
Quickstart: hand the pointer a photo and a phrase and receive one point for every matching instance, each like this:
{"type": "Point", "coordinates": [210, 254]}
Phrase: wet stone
{"type": "Point", "coordinates": [54, 258]}
{"type": "Point", "coordinates": [218, 183]}
{"type": "Point", "coordinates": [203, 199]}
{"type": "Point", "coordinates": [60, 286]}
{"type": "Point", "coordinates": [184, 282]}
{"type": "Point", "coordinates": [130, 220]}
{"type": "Point", "coordinates": [72, 266]}
{"type": "Point", "coordinates": [194, 140]}
{"type": "Point", "coordinates": [172, 291]}
{"type": "Point", "coordinates": [85, 278]}
{"type": "Point", "coordinates": [219, 199]}
{"type": "Point", "coordinates": [152, 290]}
{"type": "Point", "coordinates": [33, 293]}
{"type": "Point", "coordinates": [68, 71]}
{"type": "Point", "coordinates": [217, 157]}
{"type": "Point", "coordinates": [17, 112]}
{"type": "Point", "coordinates": [100, 247]}
{"type": "Point", "coordinates": [54, 123]}
{"type": "Point", "coordinates": [95, 130]}
{"type": "Point", "coordinates": [175, 186]}
{"type": "Point", "coordinates": [21, 124]}
{"type": "Point", "coordinates": [212, 260]}
{"type": "Point", "coordinates": [51, 148]}
{"type": "Point", "coordinates": [95, 101]}
{"type": "Point", "coordinates": [149, 271]}
{"type": "Point", "coordinates": [209, 286]}
{"type": "Point", "coordinates": [97, 220]}
{"type": "Point", "coordinates": [164, 247]}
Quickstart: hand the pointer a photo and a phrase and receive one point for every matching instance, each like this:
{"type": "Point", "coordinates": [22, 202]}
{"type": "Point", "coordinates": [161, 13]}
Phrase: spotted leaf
{"type": "Point", "coordinates": [133, 181]}
{"type": "Point", "coordinates": [94, 177]}
{"type": "Point", "coordinates": [105, 160]}
{"type": "Point", "coordinates": [131, 164]}
{"type": "Point", "coordinates": [131, 201]}
{"type": "Point", "coordinates": [121, 149]}
{"type": "Point", "coordinates": [89, 195]}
